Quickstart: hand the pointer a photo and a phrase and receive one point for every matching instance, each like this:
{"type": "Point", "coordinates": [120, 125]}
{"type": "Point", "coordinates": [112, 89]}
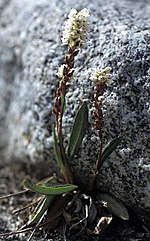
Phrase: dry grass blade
{"type": "Point", "coordinates": [17, 232]}
{"type": "Point", "coordinates": [14, 194]}
{"type": "Point", "coordinates": [27, 206]}
{"type": "Point", "coordinates": [27, 229]}
{"type": "Point", "coordinates": [29, 239]}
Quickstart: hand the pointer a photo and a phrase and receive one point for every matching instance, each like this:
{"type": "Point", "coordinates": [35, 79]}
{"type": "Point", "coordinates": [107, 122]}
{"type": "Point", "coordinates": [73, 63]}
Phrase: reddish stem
{"type": "Point", "coordinates": [99, 90]}
{"type": "Point", "coordinates": [58, 107]}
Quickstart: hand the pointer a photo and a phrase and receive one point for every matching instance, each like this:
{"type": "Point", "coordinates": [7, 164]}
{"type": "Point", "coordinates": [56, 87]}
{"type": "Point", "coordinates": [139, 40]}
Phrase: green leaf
{"type": "Point", "coordinates": [63, 101]}
{"type": "Point", "coordinates": [53, 190]}
{"type": "Point", "coordinates": [78, 130]}
{"type": "Point", "coordinates": [109, 148]}
{"type": "Point", "coordinates": [114, 205]}
{"type": "Point", "coordinates": [57, 150]}
{"type": "Point", "coordinates": [40, 210]}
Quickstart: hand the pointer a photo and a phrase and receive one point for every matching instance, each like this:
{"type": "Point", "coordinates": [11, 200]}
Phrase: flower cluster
{"type": "Point", "coordinates": [75, 30]}
{"type": "Point", "coordinates": [65, 73]}
{"type": "Point", "coordinates": [100, 76]}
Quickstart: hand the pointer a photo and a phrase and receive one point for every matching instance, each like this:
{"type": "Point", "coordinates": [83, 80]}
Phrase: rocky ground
{"type": "Point", "coordinates": [11, 177]}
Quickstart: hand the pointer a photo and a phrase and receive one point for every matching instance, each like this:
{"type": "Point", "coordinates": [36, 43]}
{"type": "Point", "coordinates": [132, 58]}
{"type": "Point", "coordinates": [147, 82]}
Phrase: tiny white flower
{"type": "Point", "coordinates": [63, 70]}
{"type": "Point", "coordinates": [76, 27]}
{"type": "Point", "coordinates": [100, 98]}
{"type": "Point", "coordinates": [101, 75]}
{"type": "Point", "coordinates": [60, 73]}
{"type": "Point", "coordinates": [72, 13]}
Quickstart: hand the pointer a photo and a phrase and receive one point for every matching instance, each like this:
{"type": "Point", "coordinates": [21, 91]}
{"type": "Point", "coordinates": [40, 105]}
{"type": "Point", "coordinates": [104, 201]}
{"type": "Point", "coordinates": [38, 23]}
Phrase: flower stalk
{"type": "Point", "coordinates": [101, 78]}
{"type": "Point", "coordinates": [99, 90]}
{"type": "Point", "coordinates": [74, 35]}
{"type": "Point", "coordinates": [65, 73]}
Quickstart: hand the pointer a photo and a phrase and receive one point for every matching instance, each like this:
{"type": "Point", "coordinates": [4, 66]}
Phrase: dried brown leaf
{"type": "Point", "coordinates": [102, 224]}
{"type": "Point", "coordinates": [67, 217]}
{"type": "Point", "coordinates": [92, 213]}
{"type": "Point", "coordinates": [78, 205]}
{"type": "Point", "coordinates": [56, 210]}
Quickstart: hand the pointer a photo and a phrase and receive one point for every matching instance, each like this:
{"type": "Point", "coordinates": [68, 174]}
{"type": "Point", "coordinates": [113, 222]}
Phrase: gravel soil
{"type": "Point", "coordinates": [11, 178]}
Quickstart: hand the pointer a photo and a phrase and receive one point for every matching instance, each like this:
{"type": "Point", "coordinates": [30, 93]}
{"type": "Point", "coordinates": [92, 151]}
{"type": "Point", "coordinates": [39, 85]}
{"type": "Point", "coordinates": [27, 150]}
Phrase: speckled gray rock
{"type": "Point", "coordinates": [30, 53]}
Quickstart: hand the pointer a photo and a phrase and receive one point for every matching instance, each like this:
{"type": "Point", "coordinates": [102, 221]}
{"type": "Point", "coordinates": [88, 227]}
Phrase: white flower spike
{"type": "Point", "coordinates": [76, 28]}
{"type": "Point", "coordinates": [100, 76]}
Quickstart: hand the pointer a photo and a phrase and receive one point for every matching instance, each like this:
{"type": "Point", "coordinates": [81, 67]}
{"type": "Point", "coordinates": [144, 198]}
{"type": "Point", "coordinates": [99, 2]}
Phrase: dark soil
{"type": "Point", "coordinates": [11, 178]}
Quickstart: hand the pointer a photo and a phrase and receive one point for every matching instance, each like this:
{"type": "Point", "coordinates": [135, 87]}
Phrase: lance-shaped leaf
{"type": "Point", "coordinates": [78, 130]}
{"type": "Point", "coordinates": [57, 151]}
{"type": "Point", "coordinates": [109, 148]}
{"type": "Point", "coordinates": [53, 190]}
{"type": "Point", "coordinates": [40, 210]}
{"type": "Point", "coordinates": [114, 205]}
